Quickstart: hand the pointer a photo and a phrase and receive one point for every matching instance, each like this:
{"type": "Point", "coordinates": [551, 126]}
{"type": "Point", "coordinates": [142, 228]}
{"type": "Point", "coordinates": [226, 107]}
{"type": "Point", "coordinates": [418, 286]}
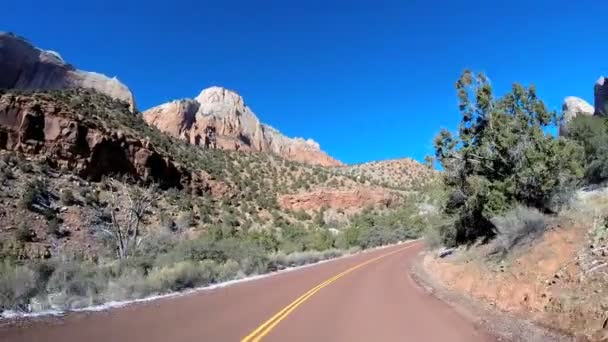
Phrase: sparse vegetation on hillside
{"type": "Point", "coordinates": [85, 240]}
{"type": "Point", "coordinates": [400, 174]}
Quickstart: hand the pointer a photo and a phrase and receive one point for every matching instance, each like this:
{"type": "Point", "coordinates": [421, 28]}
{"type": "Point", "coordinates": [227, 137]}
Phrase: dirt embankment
{"type": "Point", "coordinates": [551, 282]}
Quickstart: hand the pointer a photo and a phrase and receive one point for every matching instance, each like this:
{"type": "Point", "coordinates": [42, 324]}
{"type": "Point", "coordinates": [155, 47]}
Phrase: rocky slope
{"type": "Point", "coordinates": [397, 173]}
{"type": "Point", "coordinates": [219, 118]}
{"type": "Point", "coordinates": [24, 66]}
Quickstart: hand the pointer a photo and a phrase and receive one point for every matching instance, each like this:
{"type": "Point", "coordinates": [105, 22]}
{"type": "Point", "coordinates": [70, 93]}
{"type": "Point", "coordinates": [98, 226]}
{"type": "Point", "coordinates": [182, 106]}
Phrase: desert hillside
{"type": "Point", "coordinates": [76, 164]}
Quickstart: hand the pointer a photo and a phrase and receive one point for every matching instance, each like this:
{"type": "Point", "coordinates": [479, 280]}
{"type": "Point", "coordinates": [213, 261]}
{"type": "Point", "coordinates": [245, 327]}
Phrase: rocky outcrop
{"type": "Point", "coordinates": [349, 200]}
{"type": "Point", "coordinates": [23, 66]}
{"type": "Point", "coordinates": [572, 107]}
{"type": "Point", "coordinates": [601, 97]}
{"type": "Point", "coordinates": [219, 118]}
{"type": "Point", "coordinates": [35, 126]}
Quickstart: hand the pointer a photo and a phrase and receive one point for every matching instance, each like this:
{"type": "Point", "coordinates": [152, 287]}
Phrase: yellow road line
{"type": "Point", "coordinates": [267, 326]}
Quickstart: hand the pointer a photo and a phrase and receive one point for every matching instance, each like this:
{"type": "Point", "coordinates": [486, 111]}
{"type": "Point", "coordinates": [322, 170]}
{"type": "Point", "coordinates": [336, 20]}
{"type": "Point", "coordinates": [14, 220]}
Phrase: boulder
{"type": "Point", "coordinates": [572, 107]}
{"type": "Point", "coordinates": [601, 97]}
{"type": "Point", "coordinates": [219, 118]}
{"type": "Point", "coordinates": [24, 66]}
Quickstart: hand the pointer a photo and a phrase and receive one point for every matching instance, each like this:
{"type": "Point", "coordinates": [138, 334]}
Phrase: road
{"type": "Point", "coordinates": [366, 297]}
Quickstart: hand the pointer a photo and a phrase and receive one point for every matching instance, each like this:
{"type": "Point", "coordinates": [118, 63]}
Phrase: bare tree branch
{"type": "Point", "coordinates": [128, 208]}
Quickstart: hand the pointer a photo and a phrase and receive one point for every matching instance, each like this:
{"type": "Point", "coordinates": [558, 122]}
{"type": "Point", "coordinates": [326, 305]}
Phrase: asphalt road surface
{"type": "Point", "coordinates": [366, 297]}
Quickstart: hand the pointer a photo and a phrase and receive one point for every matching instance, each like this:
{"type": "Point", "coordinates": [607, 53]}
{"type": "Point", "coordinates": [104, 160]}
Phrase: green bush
{"type": "Point", "coordinates": [183, 275]}
{"type": "Point", "coordinates": [229, 270]}
{"type": "Point", "coordinates": [320, 239]}
{"type": "Point", "coordinates": [302, 215]}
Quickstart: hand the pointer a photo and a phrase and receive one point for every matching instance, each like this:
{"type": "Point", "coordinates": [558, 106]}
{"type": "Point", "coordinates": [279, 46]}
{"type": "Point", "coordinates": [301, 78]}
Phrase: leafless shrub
{"type": "Point", "coordinates": [517, 227]}
{"type": "Point", "coordinates": [128, 208]}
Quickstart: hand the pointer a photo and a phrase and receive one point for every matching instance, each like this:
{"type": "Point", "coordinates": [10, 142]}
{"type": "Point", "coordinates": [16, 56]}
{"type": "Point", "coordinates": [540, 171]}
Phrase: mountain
{"type": "Point", "coordinates": [24, 66]}
{"type": "Point", "coordinates": [219, 118]}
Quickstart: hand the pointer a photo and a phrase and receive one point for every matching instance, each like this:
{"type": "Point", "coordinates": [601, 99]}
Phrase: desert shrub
{"type": "Point", "coordinates": [517, 227]}
{"type": "Point", "coordinates": [18, 284]}
{"type": "Point", "coordinates": [301, 215]}
{"type": "Point", "coordinates": [319, 218]}
{"type": "Point", "coordinates": [282, 260]}
{"type": "Point", "coordinates": [67, 197]}
{"type": "Point", "coordinates": [294, 238]}
{"type": "Point", "coordinates": [265, 239]}
{"type": "Point", "coordinates": [34, 192]}
{"type": "Point", "coordinates": [53, 227]}
{"type": "Point", "coordinates": [229, 270]}
{"type": "Point", "coordinates": [502, 157]}
{"type": "Point", "coordinates": [74, 278]}
{"type": "Point", "coordinates": [251, 257]}
{"type": "Point", "coordinates": [24, 233]}
{"type": "Point", "coordinates": [167, 222]}
{"type": "Point", "coordinates": [25, 167]}
{"type": "Point", "coordinates": [437, 235]}
{"type": "Point", "coordinates": [183, 275]}
{"type": "Point", "coordinates": [129, 284]}
{"type": "Point", "coordinates": [91, 197]}
{"type": "Point", "coordinates": [320, 239]}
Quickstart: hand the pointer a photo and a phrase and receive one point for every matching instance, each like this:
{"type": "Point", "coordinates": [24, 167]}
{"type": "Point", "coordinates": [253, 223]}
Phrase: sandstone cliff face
{"type": "Point", "coordinates": [572, 107]}
{"type": "Point", "coordinates": [23, 66]}
{"type": "Point", "coordinates": [219, 118]}
{"type": "Point", "coordinates": [40, 125]}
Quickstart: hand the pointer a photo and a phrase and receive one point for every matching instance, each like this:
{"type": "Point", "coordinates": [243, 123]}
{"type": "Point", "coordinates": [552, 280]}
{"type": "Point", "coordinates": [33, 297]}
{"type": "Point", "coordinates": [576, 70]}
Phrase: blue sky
{"type": "Point", "coordinates": [368, 80]}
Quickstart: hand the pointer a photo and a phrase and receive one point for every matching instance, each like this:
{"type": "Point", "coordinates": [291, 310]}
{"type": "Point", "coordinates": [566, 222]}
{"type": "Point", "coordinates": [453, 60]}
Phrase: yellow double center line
{"type": "Point", "coordinates": [267, 326]}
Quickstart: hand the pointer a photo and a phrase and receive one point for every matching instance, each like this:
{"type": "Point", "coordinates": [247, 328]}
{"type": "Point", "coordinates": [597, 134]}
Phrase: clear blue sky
{"type": "Point", "coordinates": [367, 80]}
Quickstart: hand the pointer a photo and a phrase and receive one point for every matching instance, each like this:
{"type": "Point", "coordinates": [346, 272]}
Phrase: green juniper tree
{"type": "Point", "coordinates": [501, 156]}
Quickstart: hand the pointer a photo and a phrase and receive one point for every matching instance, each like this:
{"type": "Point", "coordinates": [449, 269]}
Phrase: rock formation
{"type": "Point", "coordinates": [601, 97]}
{"type": "Point", "coordinates": [572, 107]}
{"type": "Point", "coordinates": [23, 66]}
{"type": "Point", "coordinates": [349, 200]}
{"type": "Point", "coordinates": [219, 118]}
{"type": "Point", "coordinates": [42, 126]}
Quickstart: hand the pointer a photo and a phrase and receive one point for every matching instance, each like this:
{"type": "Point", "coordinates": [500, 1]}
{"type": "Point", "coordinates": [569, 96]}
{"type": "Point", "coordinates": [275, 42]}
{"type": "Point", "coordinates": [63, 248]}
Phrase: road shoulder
{"type": "Point", "coordinates": [504, 326]}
